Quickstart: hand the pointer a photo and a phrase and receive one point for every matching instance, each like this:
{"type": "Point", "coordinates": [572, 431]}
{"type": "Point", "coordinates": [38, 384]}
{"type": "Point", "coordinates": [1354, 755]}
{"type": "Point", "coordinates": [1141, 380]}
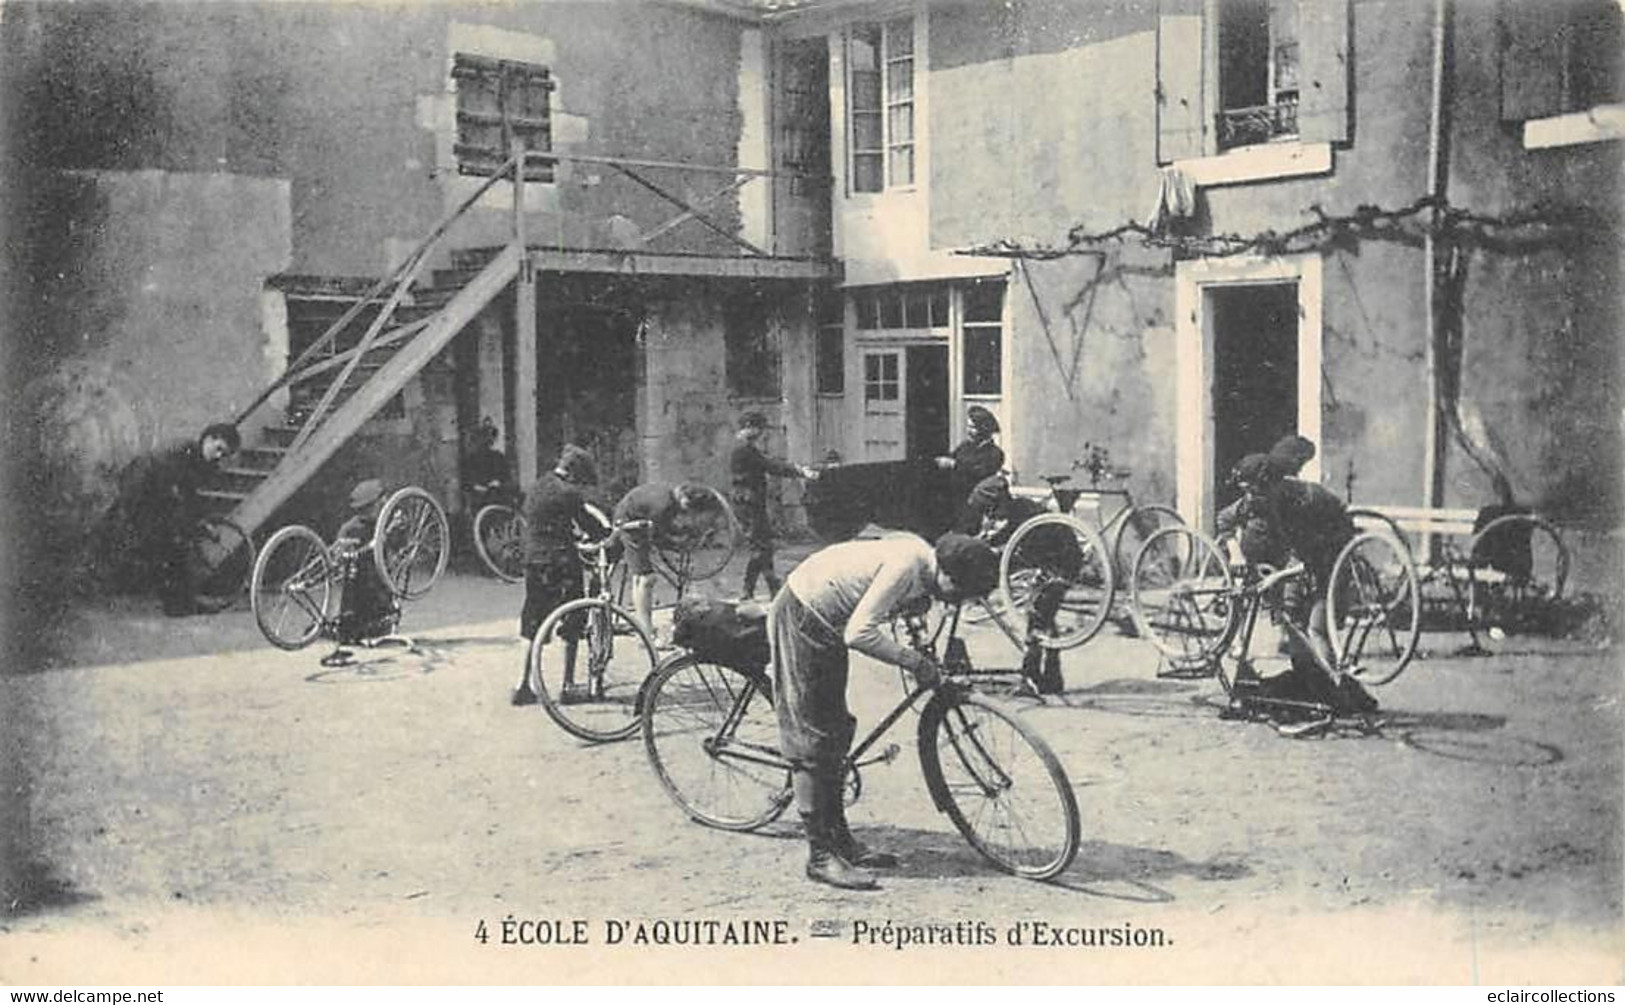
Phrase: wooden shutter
{"type": "Point", "coordinates": [1532, 60]}
{"type": "Point", "coordinates": [1324, 71]}
{"type": "Point", "coordinates": [498, 99]}
{"type": "Point", "coordinates": [1181, 119]}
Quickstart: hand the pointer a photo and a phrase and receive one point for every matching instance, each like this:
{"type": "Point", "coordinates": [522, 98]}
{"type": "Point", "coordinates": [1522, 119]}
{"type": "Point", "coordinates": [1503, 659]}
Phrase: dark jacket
{"type": "Point", "coordinates": [750, 468]}
{"type": "Point", "coordinates": [1299, 517]}
{"type": "Point", "coordinates": [553, 507]}
{"type": "Point", "coordinates": [973, 461]}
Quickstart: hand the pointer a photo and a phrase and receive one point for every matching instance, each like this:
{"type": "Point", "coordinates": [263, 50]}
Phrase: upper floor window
{"type": "Point", "coordinates": [501, 102]}
{"type": "Point", "coordinates": [1258, 72]}
{"type": "Point", "coordinates": [1560, 60]}
{"type": "Point", "coordinates": [911, 306]}
{"type": "Point", "coordinates": [1241, 73]}
{"type": "Point", "coordinates": [880, 97]}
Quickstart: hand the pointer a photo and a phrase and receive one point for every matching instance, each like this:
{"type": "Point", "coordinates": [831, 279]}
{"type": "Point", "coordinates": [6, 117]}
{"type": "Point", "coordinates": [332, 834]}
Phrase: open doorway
{"type": "Point", "coordinates": [1255, 373]}
{"type": "Point", "coordinates": [587, 388]}
{"type": "Point", "coordinates": [926, 424]}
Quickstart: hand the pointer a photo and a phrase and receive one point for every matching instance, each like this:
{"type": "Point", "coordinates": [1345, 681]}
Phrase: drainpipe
{"type": "Point", "coordinates": [1436, 430]}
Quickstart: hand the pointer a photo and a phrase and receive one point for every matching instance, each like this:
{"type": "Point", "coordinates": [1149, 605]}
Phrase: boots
{"type": "Point", "coordinates": [853, 850]}
{"type": "Point", "coordinates": [826, 862]}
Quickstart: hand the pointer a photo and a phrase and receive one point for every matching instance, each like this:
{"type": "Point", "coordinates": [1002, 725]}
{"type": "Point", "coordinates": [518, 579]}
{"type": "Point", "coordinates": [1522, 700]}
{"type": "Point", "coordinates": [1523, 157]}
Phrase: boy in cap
{"type": "Point", "coordinates": [1278, 520]}
{"type": "Point", "coordinates": [842, 599]}
{"type": "Point", "coordinates": [1290, 454]}
{"type": "Point", "coordinates": [367, 607]}
{"type": "Point", "coordinates": [750, 466]}
{"type": "Point", "coordinates": [976, 457]}
{"type": "Point", "coordinates": [555, 507]}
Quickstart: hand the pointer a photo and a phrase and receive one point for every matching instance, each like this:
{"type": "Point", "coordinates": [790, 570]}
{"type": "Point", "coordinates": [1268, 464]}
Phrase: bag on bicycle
{"type": "Point", "coordinates": [723, 632]}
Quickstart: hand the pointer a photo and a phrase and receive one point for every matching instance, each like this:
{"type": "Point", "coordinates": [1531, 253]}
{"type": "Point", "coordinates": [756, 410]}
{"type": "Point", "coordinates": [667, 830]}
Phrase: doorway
{"type": "Point", "coordinates": [587, 366]}
{"type": "Point", "coordinates": [1255, 373]}
{"type": "Point", "coordinates": [926, 423]}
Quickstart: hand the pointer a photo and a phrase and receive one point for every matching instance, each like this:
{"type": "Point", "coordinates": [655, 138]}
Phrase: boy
{"type": "Point", "coordinates": [170, 507]}
{"type": "Point", "coordinates": [554, 508]}
{"type": "Point", "coordinates": [657, 506]}
{"type": "Point", "coordinates": [367, 608]}
{"type": "Point", "coordinates": [750, 466]}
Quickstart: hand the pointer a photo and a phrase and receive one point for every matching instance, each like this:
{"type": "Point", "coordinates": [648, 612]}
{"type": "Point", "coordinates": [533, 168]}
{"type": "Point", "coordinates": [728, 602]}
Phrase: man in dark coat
{"type": "Point", "coordinates": [750, 466]}
{"type": "Point", "coordinates": [976, 457]}
{"type": "Point", "coordinates": [554, 508]}
{"type": "Point", "coordinates": [168, 508]}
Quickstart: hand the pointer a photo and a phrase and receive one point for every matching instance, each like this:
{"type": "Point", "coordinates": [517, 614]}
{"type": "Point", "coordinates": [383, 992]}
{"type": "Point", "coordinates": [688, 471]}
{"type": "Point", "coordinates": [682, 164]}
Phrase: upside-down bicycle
{"type": "Point", "coordinates": [712, 738]}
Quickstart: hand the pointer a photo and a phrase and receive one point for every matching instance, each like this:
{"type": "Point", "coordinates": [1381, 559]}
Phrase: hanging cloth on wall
{"type": "Point", "coordinates": [1176, 200]}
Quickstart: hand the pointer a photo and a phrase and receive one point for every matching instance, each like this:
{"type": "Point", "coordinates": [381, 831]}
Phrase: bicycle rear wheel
{"type": "Point", "coordinates": [702, 539]}
{"type": "Point", "coordinates": [1136, 527]}
{"type": "Point", "coordinates": [1518, 568]}
{"type": "Point", "coordinates": [291, 587]}
{"type": "Point", "coordinates": [1057, 573]}
{"type": "Point", "coordinates": [222, 561]}
{"type": "Point", "coordinates": [712, 739]}
{"type": "Point", "coordinates": [589, 662]}
{"type": "Point", "coordinates": [1000, 784]}
{"type": "Point", "coordinates": [1374, 608]}
{"type": "Point", "coordinates": [1181, 597]}
{"type": "Point", "coordinates": [499, 540]}
{"type": "Point", "coordinates": [412, 542]}
{"type": "Point", "coordinates": [1366, 519]}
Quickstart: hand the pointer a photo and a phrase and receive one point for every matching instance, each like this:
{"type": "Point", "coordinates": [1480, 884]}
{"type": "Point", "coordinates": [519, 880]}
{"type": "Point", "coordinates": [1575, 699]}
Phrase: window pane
{"type": "Point", "coordinates": [915, 310]}
{"type": "Point", "coordinates": [866, 131]}
{"type": "Point", "coordinates": [982, 350]}
{"type": "Point", "coordinates": [865, 304]}
{"type": "Point", "coordinates": [750, 351]}
{"type": "Point", "coordinates": [901, 120]}
{"type": "Point", "coordinates": [900, 37]}
{"type": "Point", "coordinates": [900, 80]}
{"type": "Point", "coordinates": [863, 48]}
{"type": "Point", "coordinates": [830, 365]}
{"type": "Point", "coordinates": [827, 305]}
{"type": "Point", "coordinates": [865, 92]}
{"type": "Point", "coordinates": [902, 165]}
{"type": "Point", "coordinates": [891, 310]}
{"type": "Point", "coordinates": [939, 308]}
{"type": "Point", "coordinates": [866, 175]}
{"type": "Point", "coordinates": [984, 302]}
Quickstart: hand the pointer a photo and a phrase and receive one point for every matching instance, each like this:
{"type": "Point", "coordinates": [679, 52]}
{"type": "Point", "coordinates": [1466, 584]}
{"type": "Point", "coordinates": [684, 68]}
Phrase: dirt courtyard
{"type": "Point", "coordinates": [197, 807]}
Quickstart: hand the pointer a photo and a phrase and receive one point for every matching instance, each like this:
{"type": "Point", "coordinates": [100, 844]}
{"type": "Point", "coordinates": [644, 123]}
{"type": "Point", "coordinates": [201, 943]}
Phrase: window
{"type": "Point", "coordinates": [984, 338]}
{"type": "Point", "coordinates": [880, 97]}
{"type": "Point", "coordinates": [1258, 72]}
{"type": "Point", "coordinates": [1562, 59]}
{"type": "Point", "coordinates": [829, 352]}
{"type": "Point", "coordinates": [919, 306]}
{"type": "Point", "coordinates": [880, 376]}
{"type": "Point", "coordinates": [500, 101]}
{"type": "Point", "coordinates": [750, 350]}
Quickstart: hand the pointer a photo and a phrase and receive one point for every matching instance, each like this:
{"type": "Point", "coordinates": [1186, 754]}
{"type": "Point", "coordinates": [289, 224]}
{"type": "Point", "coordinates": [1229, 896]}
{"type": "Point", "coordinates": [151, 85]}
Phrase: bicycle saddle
{"type": "Point", "coordinates": [1057, 479]}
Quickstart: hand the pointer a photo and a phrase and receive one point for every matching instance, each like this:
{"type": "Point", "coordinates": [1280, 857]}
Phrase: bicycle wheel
{"type": "Point", "coordinates": [1181, 594]}
{"type": "Point", "coordinates": [412, 542]}
{"type": "Point", "coordinates": [291, 587]}
{"type": "Point", "coordinates": [701, 540]}
{"type": "Point", "coordinates": [1518, 567]}
{"type": "Point", "coordinates": [1374, 607]}
{"type": "Point", "coordinates": [1366, 519]}
{"type": "Point", "coordinates": [712, 739]}
{"type": "Point", "coordinates": [1137, 525]}
{"type": "Point", "coordinates": [222, 560]}
{"type": "Point", "coordinates": [1057, 573]}
{"type": "Point", "coordinates": [499, 540]}
{"type": "Point", "coordinates": [1000, 784]}
{"type": "Point", "coordinates": [588, 664]}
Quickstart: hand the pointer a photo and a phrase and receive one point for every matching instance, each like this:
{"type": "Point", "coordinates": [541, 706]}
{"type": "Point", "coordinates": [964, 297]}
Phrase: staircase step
{"type": "Point", "coordinates": [472, 259]}
{"type": "Point", "coordinates": [223, 495]}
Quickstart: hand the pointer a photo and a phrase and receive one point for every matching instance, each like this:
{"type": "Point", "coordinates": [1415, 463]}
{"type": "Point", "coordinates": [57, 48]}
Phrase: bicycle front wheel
{"type": "Point", "coordinates": [499, 540]}
{"type": "Point", "coordinates": [1057, 573]}
{"type": "Point", "coordinates": [1518, 567]}
{"type": "Point", "coordinates": [412, 542]}
{"type": "Point", "coordinates": [1181, 594]}
{"type": "Point", "coordinates": [291, 587]}
{"type": "Point", "coordinates": [1000, 784]}
{"type": "Point", "coordinates": [712, 739]}
{"type": "Point", "coordinates": [588, 663]}
{"type": "Point", "coordinates": [702, 539]}
{"type": "Point", "coordinates": [1374, 607]}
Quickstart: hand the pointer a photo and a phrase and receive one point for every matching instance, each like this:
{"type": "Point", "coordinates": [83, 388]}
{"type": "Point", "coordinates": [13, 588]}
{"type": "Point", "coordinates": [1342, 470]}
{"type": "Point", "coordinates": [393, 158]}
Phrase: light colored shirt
{"type": "Point", "coordinates": [858, 586]}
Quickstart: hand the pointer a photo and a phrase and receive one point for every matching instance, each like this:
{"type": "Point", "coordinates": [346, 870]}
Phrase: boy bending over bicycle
{"type": "Point", "coordinates": [1279, 520]}
{"type": "Point", "coordinates": [554, 508]}
{"type": "Point", "coordinates": [367, 607]}
{"type": "Point", "coordinates": [841, 599]}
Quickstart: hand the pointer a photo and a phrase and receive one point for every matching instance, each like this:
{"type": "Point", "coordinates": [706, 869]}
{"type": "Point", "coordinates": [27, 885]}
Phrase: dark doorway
{"type": "Point", "coordinates": [587, 379]}
{"type": "Point", "coordinates": [926, 425]}
{"type": "Point", "coordinates": [1255, 373]}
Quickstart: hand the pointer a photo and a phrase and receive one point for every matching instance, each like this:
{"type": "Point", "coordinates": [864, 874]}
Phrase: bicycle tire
{"type": "Point", "coordinates": [1056, 550]}
{"type": "Point", "coordinates": [1138, 524]}
{"type": "Point", "coordinates": [411, 542]}
{"type": "Point", "coordinates": [1180, 596]}
{"type": "Point", "coordinates": [499, 540]}
{"type": "Point", "coordinates": [1367, 519]}
{"type": "Point", "coordinates": [712, 739]}
{"type": "Point", "coordinates": [1374, 592]}
{"type": "Point", "coordinates": [222, 557]}
{"type": "Point", "coordinates": [706, 539]}
{"type": "Point", "coordinates": [972, 749]}
{"type": "Point", "coordinates": [605, 708]}
{"type": "Point", "coordinates": [293, 578]}
{"type": "Point", "coordinates": [1505, 599]}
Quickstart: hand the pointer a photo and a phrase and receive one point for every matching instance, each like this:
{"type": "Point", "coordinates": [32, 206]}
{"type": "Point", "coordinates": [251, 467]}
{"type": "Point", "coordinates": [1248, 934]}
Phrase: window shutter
{"type": "Point", "coordinates": [1532, 60]}
{"type": "Point", "coordinates": [1323, 89]}
{"type": "Point", "coordinates": [1180, 123]}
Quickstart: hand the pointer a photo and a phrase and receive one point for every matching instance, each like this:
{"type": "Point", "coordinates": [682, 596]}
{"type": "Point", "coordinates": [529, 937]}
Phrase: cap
{"type": "Point", "coordinates": [989, 492]}
{"type": "Point", "coordinates": [969, 562]}
{"type": "Point", "coordinates": [983, 420]}
{"type": "Point", "coordinates": [753, 420]}
{"type": "Point", "coordinates": [1291, 453]}
{"type": "Point", "coordinates": [577, 465]}
{"type": "Point", "coordinates": [366, 493]}
{"type": "Point", "coordinates": [1255, 469]}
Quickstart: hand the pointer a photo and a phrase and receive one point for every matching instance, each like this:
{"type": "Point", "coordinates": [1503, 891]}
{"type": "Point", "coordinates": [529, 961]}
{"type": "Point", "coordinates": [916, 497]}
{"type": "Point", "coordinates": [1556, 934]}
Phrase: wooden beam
{"type": "Point", "coordinates": [638, 263]}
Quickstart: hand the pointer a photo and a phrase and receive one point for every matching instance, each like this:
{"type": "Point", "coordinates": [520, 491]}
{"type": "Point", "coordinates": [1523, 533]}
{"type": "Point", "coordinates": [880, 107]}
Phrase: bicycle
{"type": "Point", "coordinates": [220, 557]}
{"type": "Point", "coordinates": [602, 707]}
{"type": "Point", "coordinates": [292, 587]}
{"type": "Point", "coordinates": [499, 541]}
{"type": "Point", "coordinates": [711, 736]}
{"type": "Point", "coordinates": [1190, 604]}
{"type": "Point", "coordinates": [1056, 559]}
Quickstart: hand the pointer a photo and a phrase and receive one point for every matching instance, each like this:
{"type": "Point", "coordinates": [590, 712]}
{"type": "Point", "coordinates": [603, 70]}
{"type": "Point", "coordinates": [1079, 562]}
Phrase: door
{"type": "Point", "coordinates": [884, 422]}
{"type": "Point", "coordinates": [926, 424]}
{"type": "Point", "coordinates": [1255, 373]}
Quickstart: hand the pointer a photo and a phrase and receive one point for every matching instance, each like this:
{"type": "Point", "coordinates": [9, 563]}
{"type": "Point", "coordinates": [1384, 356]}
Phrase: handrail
{"type": "Point", "coordinates": [411, 262]}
